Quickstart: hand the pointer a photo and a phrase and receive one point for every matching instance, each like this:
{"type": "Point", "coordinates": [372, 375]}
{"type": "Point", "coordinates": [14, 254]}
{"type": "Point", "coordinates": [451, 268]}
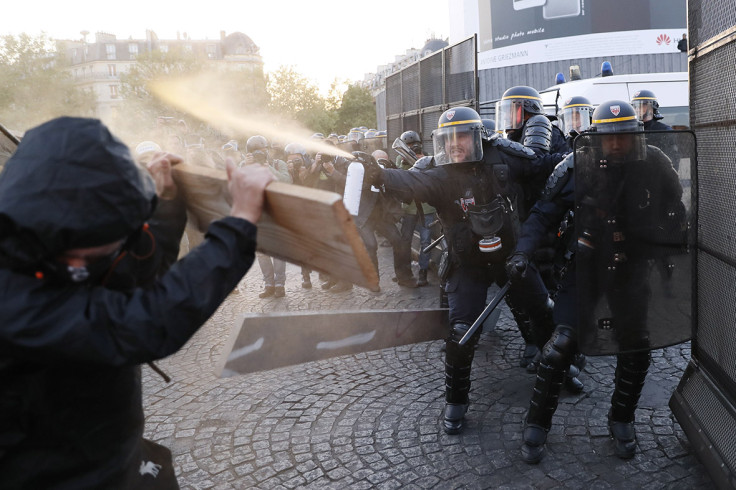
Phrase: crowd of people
{"type": "Point", "coordinates": [293, 163]}
{"type": "Point", "coordinates": [93, 289]}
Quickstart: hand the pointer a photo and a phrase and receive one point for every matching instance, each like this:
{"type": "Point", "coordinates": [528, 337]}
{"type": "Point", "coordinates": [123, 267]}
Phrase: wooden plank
{"type": "Point", "coordinates": [263, 342]}
{"type": "Point", "coordinates": [304, 226]}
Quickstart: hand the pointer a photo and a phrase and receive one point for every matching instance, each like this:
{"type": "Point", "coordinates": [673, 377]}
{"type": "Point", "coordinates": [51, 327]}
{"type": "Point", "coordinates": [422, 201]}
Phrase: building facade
{"type": "Point", "coordinates": [98, 65]}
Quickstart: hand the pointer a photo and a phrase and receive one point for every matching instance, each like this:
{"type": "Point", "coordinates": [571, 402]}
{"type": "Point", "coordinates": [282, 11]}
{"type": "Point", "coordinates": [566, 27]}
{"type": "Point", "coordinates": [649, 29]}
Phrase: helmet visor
{"type": "Point", "coordinates": [458, 144]}
{"type": "Point", "coordinates": [644, 109]}
{"type": "Point", "coordinates": [576, 118]}
{"type": "Point", "coordinates": [509, 114]}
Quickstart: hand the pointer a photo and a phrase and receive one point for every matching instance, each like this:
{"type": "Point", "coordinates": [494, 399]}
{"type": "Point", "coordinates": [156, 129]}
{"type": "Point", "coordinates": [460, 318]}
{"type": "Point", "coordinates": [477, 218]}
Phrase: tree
{"type": "Point", "coordinates": [141, 107]}
{"type": "Point", "coordinates": [242, 91]}
{"type": "Point", "coordinates": [357, 109]}
{"type": "Point", "coordinates": [292, 93]}
{"type": "Point", "coordinates": [35, 85]}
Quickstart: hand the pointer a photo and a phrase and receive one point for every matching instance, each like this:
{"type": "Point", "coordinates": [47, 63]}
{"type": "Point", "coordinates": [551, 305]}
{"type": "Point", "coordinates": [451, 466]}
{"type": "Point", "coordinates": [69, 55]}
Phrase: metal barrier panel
{"type": "Point", "coordinates": [393, 95]}
{"type": "Point", "coordinates": [393, 131]}
{"type": "Point", "coordinates": [429, 124]}
{"type": "Point", "coordinates": [430, 70]}
{"type": "Point", "coordinates": [708, 18]}
{"type": "Point", "coordinates": [460, 72]}
{"type": "Point", "coordinates": [417, 95]}
{"type": "Point", "coordinates": [410, 87]}
{"type": "Point", "coordinates": [705, 401]}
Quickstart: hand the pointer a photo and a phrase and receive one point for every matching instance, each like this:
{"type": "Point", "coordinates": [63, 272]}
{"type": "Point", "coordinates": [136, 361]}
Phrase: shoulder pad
{"type": "Point", "coordinates": [559, 177]}
{"type": "Point", "coordinates": [537, 133]}
{"type": "Point", "coordinates": [513, 148]}
{"type": "Point", "coordinates": [424, 163]}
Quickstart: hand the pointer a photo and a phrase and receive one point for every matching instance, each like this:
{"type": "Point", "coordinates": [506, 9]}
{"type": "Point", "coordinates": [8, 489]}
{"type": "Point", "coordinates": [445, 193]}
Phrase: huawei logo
{"type": "Point", "coordinates": [664, 39]}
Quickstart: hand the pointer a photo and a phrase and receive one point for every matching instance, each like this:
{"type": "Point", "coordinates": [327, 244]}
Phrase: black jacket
{"type": "Point", "coordinates": [453, 189]}
{"type": "Point", "coordinates": [70, 393]}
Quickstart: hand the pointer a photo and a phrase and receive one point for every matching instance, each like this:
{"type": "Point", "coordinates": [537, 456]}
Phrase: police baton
{"type": "Point", "coordinates": [433, 244]}
{"type": "Point", "coordinates": [486, 312]}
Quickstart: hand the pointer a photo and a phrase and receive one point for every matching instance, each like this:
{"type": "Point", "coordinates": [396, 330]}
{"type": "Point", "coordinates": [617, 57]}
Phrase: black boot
{"type": "Point", "coordinates": [541, 409]}
{"type": "Point", "coordinates": [624, 438]}
{"type": "Point", "coordinates": [535, 436]}
{"type": "Point", "coordinates": [454, 417]}
{"type": "Point", "coordinates": [458, 362]}
{"type": "Point", "coordinates": [631, 371]}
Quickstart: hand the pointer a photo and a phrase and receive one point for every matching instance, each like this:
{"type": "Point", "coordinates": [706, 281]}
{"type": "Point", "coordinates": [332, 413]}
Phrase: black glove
{"type": "Point", "coordinates": [373, 172]}
{"type": "Point", "coordinates": [516, 266]}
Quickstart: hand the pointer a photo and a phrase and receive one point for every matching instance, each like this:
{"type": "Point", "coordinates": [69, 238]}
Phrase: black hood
{"type": "Point", "coordinates": [70, 184]}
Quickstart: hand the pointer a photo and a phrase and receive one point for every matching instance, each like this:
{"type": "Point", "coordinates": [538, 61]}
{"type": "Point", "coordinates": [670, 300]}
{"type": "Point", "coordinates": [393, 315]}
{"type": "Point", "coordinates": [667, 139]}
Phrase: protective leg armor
{"type": "Point", "coordinates": [524, 322]}
{"type": "Point", "coordinates": [458, 363]}
{"type": "Point", "coordinates": [556, 357]}
{"type": "Point", "coordinates": [631, 371]}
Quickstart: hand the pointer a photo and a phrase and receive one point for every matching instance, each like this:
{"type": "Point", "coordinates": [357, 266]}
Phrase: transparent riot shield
{"type": "Point", "coordinates": [634, 222]}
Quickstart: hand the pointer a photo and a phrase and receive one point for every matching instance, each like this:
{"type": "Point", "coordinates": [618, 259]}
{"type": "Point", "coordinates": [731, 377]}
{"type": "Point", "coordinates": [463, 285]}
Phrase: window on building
{"type": "Point", "coordinates": [164, 48]}
{"type": "Point", "coordinates": [211, 51]}
{"type": "Point", "coordinates": [133, 50]}
{"type": "Point", "coordinates": [113, 91]}
{"type": "Point", "coordinates": [188, 48]}
{"type": "Point", "coordinates": [112, 70]}
{"type": "Point", "coordinates": [110, 49]}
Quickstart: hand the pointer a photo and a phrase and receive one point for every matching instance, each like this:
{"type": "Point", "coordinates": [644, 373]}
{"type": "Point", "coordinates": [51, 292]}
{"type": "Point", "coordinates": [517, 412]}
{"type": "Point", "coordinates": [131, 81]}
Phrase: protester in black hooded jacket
{"type": "Point", "coordinates": [73, 335]}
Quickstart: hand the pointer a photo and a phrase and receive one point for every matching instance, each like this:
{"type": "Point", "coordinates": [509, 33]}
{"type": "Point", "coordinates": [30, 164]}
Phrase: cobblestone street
{"type": "Point", "coordinates": [372, 420]}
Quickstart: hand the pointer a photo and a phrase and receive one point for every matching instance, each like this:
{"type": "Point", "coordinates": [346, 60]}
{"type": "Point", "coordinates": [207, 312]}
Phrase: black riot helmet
{"type": "Point", "coordinates": [258, 146]}
{"type": "Point", "coordinates": [576, 114]}
{"type": "Point", "coordinates": [458, 137]}
{"type": "Point", "coordinates": [516, 106]}
{"type": "Point", "coordinates": [618, 116]}
{"type": "Point", "coordinates": [412, 140]}
{"type": "Point", "coordinates": [615, 116]}
{"type": "Point", "coordinates": [646, 105]}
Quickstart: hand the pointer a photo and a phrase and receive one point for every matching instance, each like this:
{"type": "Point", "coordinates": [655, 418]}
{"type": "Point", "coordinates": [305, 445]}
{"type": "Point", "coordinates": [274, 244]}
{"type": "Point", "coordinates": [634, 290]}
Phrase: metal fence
{"type": "Point", "coordinates": [705, 401]}
{"type": "Point", "coordinates": [417, 95]}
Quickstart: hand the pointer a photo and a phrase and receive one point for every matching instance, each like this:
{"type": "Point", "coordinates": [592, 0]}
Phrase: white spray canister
{"type": "Point", "coordinates": [353, 187]}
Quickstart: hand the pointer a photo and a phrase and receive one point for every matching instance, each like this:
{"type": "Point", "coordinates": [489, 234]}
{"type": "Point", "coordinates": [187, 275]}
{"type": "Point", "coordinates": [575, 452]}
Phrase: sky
{"type": "Point", "coordinates": [321, 39]}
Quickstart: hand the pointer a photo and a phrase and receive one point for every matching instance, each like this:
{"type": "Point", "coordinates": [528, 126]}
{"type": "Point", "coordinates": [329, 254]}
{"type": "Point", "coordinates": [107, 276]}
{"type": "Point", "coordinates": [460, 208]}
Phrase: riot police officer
{"type": "Point", "coordinates": [647, 109]}
{"type": "Point", "coordinates": [415, 215]}
{"type": "Point", "coordinates": [517, 109]}
{"type": "Point", "coordinates": [620, 189]}
{"type": "Point", "coordinates": [475, 190]}
{"type": "Point", "coordinates": [575, 117]}
{"type": "Point", "coordinates": [520, 117]}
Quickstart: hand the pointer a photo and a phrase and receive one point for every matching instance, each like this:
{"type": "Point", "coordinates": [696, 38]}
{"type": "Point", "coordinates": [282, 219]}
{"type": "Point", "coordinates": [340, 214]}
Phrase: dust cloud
{"type": "Point", "coordinates": [202, 97]}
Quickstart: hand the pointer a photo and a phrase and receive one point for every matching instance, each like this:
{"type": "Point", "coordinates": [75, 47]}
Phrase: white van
{"type": "Point", "coordinates": [671, 90]}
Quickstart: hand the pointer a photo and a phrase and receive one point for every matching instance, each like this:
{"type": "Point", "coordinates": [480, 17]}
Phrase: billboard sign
{"type": "Point", "coordinates": [513, 32]}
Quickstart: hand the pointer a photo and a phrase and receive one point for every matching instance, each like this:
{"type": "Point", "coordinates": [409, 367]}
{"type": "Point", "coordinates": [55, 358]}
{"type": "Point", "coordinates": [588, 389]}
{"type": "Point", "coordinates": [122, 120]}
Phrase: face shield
{"type": "Point", "coordinates": [618, 141]}
{"type": "Point", "coordinates": [576, 118]}
{"type": "Point", "coordinates": [509, 114]}
{"type": "Point", "coordinates": [458, 144]}
{"type": "Point", "coordinates": [644, 109]}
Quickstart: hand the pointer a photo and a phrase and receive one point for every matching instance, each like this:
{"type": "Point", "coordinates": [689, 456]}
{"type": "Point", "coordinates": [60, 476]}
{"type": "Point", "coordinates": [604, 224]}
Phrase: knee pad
{"type": "Point", "coordinates": [560, 348]}
{"type": "Point", "coordinates": [458, 330]}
